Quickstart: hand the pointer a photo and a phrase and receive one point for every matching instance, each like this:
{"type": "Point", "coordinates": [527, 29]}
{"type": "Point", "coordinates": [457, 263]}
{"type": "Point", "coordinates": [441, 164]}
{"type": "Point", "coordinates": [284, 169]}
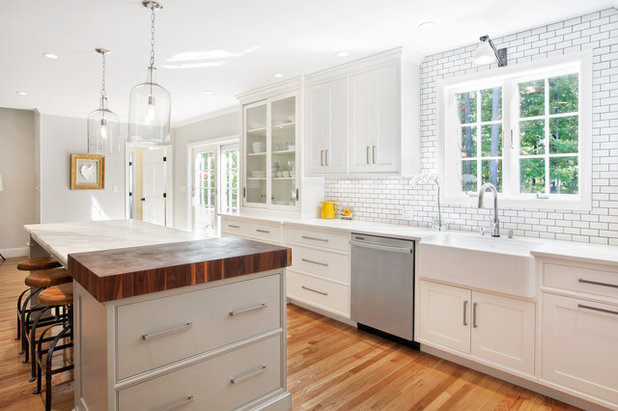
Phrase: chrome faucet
{"type": "Point", "coordinates": [495, 223]}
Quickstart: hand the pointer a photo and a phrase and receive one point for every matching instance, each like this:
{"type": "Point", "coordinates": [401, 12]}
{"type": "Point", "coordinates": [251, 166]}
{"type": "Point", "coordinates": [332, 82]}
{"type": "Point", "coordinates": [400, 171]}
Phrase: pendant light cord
{"type": "Point", "coordinates": [103, 91]}
{"type": "Point", "coordinates": [152, 36]}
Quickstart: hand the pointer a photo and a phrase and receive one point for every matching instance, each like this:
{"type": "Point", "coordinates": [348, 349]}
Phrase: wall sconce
{"type": "Point", "coordinates": [487, 53]}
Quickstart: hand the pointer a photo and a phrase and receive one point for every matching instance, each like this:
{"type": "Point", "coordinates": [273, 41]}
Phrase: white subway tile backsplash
{"type": "Point", "coordinates": [383, 199]}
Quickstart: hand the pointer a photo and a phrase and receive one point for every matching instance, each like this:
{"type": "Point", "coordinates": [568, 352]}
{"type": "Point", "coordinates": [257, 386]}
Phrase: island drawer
{"type": "Point", "coordinates": [320, 293]}
{"type": "Point", "coordinates": [224, 382]}
{"type": "Point", "coordinates": [581, 279]}
{"type": "Point", "coordinates": [234, 226]}
{"type": "Point", "coordinates": [267, 232]}
{"type": "Point", "coordinates": [323, 263]}
{"type": "Point", "coordinates": [160, 331]}
{"type": "Point", "coordinates": [318, 238]}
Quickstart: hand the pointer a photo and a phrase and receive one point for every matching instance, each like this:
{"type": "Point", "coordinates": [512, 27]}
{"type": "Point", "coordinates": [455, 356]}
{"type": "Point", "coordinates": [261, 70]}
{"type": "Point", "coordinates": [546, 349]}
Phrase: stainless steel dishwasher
{"type": "Point", "coordinates": [382, 293]}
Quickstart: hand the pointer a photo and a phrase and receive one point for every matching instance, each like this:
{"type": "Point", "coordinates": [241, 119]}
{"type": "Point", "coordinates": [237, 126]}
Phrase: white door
{"type": "Point", "coordinates": [445, 315]}
{"type": "Point", "coordinates": [503, 331]}
{"type": "Point", "coordinates": [153, 186]}
{"type": "Point", "coordinates": [205, 190]}
{"type": "Point", "coordinates": [580, 345]}
{"type": "Point", "coordinates": [363, 126]}
{"type": "Point", "coordinates": [326, 126]}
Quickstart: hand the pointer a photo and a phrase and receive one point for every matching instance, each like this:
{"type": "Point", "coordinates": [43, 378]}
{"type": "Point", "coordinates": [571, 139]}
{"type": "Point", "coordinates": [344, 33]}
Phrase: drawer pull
{"type": "Point", "coordinates": [306, 237]}
{"type": "Point", "coordinates": [180, 403]}
{"type": "Point", "coordinates": [587, 307]}
{"type": "Point", "coordinates": [312, 290]}
{"type": "Point", "coordinates": [262, 231]}
{"type": "Point", "coordinates": [314, 262]}
{"type": "Point", "coordinates": [474, 324]}
{"type": "Point", "coordinates": [249, 374]}
{"type": "Point", "coordinates": [244, 310]}
{"type": "Point", "coordinates": [233, 226]}
{"type": "Point", "coordinates": [581, 280]}
{"type": "Point", "coordinates": [176, 329]}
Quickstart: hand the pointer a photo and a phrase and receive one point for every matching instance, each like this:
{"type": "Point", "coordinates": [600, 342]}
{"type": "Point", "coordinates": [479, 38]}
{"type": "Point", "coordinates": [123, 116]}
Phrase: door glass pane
{"type": "Point", "coordinates": [229, 179]}
{"type": "Point", "coordinates": [256, 154]}
{"type": "Point", "coordinates": [204, 193]}
{"type": "Point", "coordinates": [283, 166]}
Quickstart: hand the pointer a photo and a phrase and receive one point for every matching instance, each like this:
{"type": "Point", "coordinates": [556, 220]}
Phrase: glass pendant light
{"type": "Point", "coordinates": [103, 125]}
{"type": "Point", "coordinates": [149, 103]}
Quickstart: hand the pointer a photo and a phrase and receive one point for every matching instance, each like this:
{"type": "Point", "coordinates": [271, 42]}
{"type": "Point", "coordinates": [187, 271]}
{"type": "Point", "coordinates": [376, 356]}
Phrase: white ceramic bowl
{"type": "Point", "coordinates": [258, 147]}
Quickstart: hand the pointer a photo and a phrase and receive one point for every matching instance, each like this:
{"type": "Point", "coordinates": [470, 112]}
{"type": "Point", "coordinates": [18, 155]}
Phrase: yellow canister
{"type": "Point", "coordinates": [329, 209]}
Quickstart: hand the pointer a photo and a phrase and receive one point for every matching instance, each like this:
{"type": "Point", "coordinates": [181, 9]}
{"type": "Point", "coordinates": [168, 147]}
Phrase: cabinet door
{"type": "Point", "coordinates": [580, 341]}
{"type": "Point", "coordinates": [362, 122]}
{"type": "Point", "coordinates": [387, 140]}
{"type": "Point", "coordinates": [503, 331]}
{"type": "Point", "coordinates": [445, 315]}
{"type": "Point", "coordinates": [326, 126]}
{"type": "Point", "coordinates": [255, 144]}
{"type": "Point", "coordinates": [284, 190]}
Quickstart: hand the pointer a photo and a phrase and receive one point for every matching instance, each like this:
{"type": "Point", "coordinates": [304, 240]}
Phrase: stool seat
{"type": "Point", "coordinates": [37, 263]}
{"type": "Point", "coordinates": [48, 278]}
{"type": "Point", "coordinates": [57, 295]}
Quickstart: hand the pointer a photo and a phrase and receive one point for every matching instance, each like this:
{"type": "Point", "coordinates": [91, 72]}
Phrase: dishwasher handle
{"type": "Point", "coordinates": [403, 250]}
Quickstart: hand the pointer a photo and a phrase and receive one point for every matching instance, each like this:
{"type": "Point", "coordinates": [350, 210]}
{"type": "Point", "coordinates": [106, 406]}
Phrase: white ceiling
{"type": "Point", "coordinates": [285, 36]}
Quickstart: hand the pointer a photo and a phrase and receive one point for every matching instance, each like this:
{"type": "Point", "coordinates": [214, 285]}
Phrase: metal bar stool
{"type": "Point", "coordinates": [32, 264]}
{"type": "Point", "coordinates": [56, 296]}
{"type": "Point", "coordinates": [38, 281]}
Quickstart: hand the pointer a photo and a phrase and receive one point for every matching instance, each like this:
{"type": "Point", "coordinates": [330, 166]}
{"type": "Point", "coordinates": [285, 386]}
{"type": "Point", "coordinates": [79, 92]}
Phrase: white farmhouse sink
{"type": "Point", "coordinates": [496, 264]}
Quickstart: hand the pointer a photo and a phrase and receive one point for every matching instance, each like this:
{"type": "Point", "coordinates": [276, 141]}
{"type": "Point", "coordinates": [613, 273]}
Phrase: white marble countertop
{"type": "Point", "coordinates": [62, 239]}
{"type": "Point", "coordinates": [590, 253]}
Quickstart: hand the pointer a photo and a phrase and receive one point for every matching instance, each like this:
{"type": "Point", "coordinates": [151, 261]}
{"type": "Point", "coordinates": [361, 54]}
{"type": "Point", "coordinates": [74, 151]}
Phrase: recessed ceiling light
{"type": "Point", "coordinates": [50, 56]}
{"type": "Point", "coordinates": [277, 75]}
{"type": "Point", "coordinates": [342, 54]}
{"type": "Point", "coordinates": [208, 92]}
{"type": "Point", "coordinates": [427, 25]}
{"type": "Point", "coordinates": [22, 93]}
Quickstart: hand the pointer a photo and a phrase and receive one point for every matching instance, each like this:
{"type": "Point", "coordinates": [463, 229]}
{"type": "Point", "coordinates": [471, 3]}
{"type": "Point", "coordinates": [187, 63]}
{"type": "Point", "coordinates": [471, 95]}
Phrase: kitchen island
{"type": "Point", "coordinates": [164, 319]}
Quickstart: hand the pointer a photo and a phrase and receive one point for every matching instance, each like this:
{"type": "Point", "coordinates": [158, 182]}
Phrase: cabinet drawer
{"type": "Point", "coordinates": [234, 226]}
{"type": "Point", "coordinates": [322, 263]}
{"type": "Point", "coordinates": [326, 239]}
{"type": "Point", "coordinates": [179, 326]}
{"type": "Point", "coordinates": [266, 232]}
{"type": "Point", "coordinates": [318, 292]}
{"type": "Point", "coordinates": [224, 382]}
{"type": "Point", "coordinates": [581, 279]}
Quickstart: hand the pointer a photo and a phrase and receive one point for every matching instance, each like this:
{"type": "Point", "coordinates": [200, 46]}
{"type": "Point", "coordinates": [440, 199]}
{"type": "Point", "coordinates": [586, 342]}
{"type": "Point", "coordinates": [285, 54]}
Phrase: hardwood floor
{"type": "Point", "coordinates": [330, 366]}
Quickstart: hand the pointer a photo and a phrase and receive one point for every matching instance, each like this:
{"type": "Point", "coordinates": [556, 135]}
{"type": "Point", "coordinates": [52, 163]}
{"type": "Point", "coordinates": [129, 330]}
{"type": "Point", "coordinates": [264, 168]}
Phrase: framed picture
{"type": "Point", "coordinates": [87, 172]}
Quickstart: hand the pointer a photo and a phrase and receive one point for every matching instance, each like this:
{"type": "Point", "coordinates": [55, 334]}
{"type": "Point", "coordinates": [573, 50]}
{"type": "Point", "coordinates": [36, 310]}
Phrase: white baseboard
{"type": "Point", "coordinates": [14, 252]}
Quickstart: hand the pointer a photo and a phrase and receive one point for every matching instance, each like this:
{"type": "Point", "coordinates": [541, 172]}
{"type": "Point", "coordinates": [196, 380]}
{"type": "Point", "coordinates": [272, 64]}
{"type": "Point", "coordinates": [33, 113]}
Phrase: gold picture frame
{"type": "Point", "coordinates": [87, 172]}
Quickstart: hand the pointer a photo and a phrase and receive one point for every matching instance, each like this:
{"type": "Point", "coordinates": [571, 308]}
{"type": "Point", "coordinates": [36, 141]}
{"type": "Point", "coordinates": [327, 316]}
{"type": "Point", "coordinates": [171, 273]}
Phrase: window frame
{"type": "Point", "coordinates": [449, 153]}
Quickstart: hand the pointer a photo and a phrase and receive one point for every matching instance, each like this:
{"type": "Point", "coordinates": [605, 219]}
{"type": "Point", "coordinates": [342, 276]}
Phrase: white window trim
{"type": "Point", "coordinates": [506, 77]}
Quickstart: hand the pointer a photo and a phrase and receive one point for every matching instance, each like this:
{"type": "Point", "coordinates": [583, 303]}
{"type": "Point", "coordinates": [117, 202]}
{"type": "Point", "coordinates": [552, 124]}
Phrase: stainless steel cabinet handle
{"type": "Point", "coordinates": [262, 368]}
{"type": "Point", "coordinates": [180, 403]}
{"type": "Point", "coordinates": [244, 310]}
{"type": "Point", "coordinates": [312, 290]}
{"type": "Point", "coordinates": [368, 155]}
{"type": "Point", "coordinates": [306, 237]}
{"type": "Point", "coordinates": [374, 154]}
{"type": "Point", "coordinates": [322, 158]}
{"type": "Point", "coordinates": [233, 226]}
{"type": "Point", "coordinates": [176, 329]}
{"type": "Point", "coordinates": [314, 262]}
{"type": "Point", "coordinates": [587, 307]}
{"type": "Point", "coordinates": [326, 158]}
{"type": "Point", "coordinates": [406, 250]}
{"type": "Point", "coordinates": [465, 319]}
{"type": "Point", "coordinates": [474, 324]}
{"type": "Point", "coordinates": [262, 231]}
{"type": "Point", "coordinates": [581, 280]}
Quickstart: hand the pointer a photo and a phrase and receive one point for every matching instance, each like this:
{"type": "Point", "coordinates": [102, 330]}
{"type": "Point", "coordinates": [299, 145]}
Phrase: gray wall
{"type": "Point", "coordinates": [61, 136]}
{"type": "Point", "coordinates": [224, 125]}
{"type": "Point", "coordinates": [17, 201]}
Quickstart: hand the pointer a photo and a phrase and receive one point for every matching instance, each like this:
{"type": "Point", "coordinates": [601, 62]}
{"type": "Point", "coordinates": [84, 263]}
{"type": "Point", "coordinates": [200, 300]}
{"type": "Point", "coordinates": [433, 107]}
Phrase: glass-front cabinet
{"type": "Point", "coordinates": [270, 141]}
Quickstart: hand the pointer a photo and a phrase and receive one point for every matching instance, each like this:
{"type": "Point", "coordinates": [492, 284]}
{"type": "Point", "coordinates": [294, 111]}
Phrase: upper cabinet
{"type": "Point", "coordinates": [363, 117]}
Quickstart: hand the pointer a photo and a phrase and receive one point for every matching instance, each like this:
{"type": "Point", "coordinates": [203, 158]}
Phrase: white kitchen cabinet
{"type": "Point", "coordinates": [580, 342]}
{"type": "Point", "coordinates": [326, 127]}
{"type": "Point", "coordinates": [491, 327]}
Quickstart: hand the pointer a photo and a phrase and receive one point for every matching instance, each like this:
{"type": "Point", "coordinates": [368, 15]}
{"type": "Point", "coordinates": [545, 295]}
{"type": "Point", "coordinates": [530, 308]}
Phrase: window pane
{"type": "Point", "coordinates": [468, 142]}
{"type": "Point", "coordinates": [468, 175]}
{"type": "Point", "coordinates": [532, 137]}
{"type": "Point", "coordinates": [532, 98]}
{"type": "Point", "coordinates": [532, 175]}
{"type": "Point", "coordinates": [563, 93]}
{"type": "Point", "coordinates": [491, 172]}
{"type": "Point", "coordinates": [563, 135]}
{"type": "Point", "coordinates": [491, 140]}
{"type": "Point", "coordinates": [466, 104]}
{"type": "Point", "coordinates": [491, 104]}
{"type": "Point", "coordinates": [563, 175]}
